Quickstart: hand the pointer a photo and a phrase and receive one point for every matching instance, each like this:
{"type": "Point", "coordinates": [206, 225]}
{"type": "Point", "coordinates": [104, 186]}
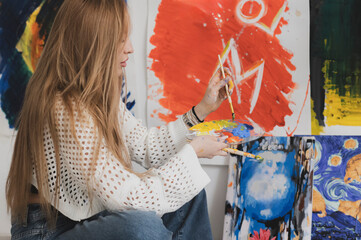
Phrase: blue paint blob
{"type": "Point", "coordinates": [262, 209]}
{"type": "Point", "coordinates": [241, 131]}
{"type": "Point", "coordinates": [128, 103]}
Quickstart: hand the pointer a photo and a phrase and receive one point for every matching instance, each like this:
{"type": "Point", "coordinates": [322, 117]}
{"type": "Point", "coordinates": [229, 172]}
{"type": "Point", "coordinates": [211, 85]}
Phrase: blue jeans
{"type": "Point", "coordinates": [189, 222]}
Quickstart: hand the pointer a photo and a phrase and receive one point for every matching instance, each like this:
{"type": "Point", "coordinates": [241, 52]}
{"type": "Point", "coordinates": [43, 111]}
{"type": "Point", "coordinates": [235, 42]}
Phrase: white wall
{"type": "Point", "coordinates": [5, 157]}
{"type": "Point", "coordinates": [216, 190]}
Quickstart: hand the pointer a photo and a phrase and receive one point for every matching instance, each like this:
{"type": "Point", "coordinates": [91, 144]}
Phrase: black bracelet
{"type": "Point", "coordinates": [194, 112]}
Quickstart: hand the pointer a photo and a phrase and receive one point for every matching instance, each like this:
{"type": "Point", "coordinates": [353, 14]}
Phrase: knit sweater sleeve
{"type": "Point", "coordinates": [161, 189]}
{"type": "Point", "coordinates": [154, 146]}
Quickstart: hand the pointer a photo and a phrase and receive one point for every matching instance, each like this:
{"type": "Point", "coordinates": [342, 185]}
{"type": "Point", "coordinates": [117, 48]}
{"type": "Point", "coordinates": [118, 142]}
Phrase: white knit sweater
{"type": "Point", "coordinates": [174, 173]}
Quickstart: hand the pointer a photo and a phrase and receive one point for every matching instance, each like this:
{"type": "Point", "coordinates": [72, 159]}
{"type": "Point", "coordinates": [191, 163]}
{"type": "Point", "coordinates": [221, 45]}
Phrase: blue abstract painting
{"type": "Point", "coordinates": [24, 28]}
{"type": "Point", "coordinates": [337, 188]}
{"type": "Point", "coordinates": [271, 199]}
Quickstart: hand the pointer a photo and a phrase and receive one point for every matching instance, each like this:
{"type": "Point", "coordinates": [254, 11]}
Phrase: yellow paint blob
{"type": "Point", "coordinates": [335, 160]}
{"type": "Point", "coordinates": [29, 45]}
{"type": "Point", "coordinates": [206, 128]}
{"type": "Point", "coordinates": [350, 144]}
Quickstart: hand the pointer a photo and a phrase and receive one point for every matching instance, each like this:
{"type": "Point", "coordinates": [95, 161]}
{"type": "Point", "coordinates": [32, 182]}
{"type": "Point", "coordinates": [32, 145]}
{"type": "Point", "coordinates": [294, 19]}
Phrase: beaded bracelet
{"type": "Point", "coordinates": [187, 121]}
{"type": "Point", "coordinates": [190, 118]}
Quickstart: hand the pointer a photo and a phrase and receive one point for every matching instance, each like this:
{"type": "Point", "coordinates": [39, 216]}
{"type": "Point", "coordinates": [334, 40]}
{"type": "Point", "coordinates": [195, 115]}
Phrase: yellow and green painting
{"type": "Point", "coordinates": [335, 67]}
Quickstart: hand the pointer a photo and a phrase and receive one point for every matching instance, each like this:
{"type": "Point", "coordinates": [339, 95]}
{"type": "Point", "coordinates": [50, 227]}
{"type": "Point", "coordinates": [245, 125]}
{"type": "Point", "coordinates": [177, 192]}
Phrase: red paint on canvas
{"type": "Point", "coordinates": [188, 37]}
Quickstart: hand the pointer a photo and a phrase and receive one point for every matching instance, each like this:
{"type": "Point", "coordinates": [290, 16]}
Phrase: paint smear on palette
{"type": "Point", "coordinates": [183, 58]}
{"type": "Point", "coordinates": [335, 64]}
{"type": "Point", "coordinates": [236, 131]}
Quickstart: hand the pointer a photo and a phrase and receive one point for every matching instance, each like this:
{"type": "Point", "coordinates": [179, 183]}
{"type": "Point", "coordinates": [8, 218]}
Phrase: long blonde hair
{"type": "Point", "coordinates": [78, 62]}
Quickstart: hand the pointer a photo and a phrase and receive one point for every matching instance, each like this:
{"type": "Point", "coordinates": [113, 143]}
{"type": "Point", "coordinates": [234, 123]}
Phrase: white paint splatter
{"type": "Point", "coordinates": [266, 212]}
{"type": "Point", "coordinates": [264, 188]}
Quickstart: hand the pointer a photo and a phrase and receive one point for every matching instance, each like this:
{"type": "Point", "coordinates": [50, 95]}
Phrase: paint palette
{"type": "Point", "coordinates": [237, 131]}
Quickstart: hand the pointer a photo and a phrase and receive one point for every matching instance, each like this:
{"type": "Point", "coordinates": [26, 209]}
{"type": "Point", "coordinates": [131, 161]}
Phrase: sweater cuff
{"type": "Point", "coordinates": [178, 131]}
{"type": "Point", "coordinates": [198, 175]}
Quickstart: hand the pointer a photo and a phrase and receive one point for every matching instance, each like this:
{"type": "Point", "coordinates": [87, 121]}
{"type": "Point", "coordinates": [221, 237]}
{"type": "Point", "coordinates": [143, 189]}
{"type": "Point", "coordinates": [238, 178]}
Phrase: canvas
{"type": "Point", "coordinates": [271, 199]}
{"type": "Point", "coordinates": [337, 188]}
{"type": "Point", "coordinates": [24, 28]}
{"type": "Point", "coordinates": [335, 67]}
{"type": "Point", "coordinates": [268, 57]}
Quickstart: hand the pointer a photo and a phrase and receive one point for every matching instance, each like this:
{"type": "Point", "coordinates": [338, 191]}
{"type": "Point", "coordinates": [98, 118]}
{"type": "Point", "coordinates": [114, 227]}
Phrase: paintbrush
{"type": "Point", "coordinates": [227, 91]}
{"type": "Point", "coordinates": [241, 153]}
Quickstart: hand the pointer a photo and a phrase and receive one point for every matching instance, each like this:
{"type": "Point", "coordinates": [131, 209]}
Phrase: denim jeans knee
{"type": "Point", "coordinates": [131, 224]}
{"type": "Point", "coordinates": [142, 225]}
{"type": "Point", "coordinates": [191, 221]}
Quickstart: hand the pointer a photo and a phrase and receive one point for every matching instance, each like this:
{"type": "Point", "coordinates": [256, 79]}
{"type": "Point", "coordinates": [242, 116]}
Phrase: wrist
{"type": "Point", "coordinates": [201, 111]}
{"type": "Point", "coordinates": [196, 148]}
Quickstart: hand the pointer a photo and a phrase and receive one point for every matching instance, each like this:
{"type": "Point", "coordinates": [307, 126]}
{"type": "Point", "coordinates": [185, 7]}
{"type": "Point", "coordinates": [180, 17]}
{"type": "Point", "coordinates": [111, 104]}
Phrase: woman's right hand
{"type": "Point", "coordinates": [209, 146]}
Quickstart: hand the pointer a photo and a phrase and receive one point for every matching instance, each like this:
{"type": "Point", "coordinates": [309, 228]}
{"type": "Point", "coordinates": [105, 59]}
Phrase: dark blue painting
{"type": "Point", "coordinates": [24, 28]}
{"type": "Point", "coordinates": [337, 188]}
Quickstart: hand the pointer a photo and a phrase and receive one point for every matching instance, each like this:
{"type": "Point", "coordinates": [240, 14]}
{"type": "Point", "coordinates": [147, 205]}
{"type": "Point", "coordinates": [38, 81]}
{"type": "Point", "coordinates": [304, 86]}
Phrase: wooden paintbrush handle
{"type": "Point", "coordinates": [241, 153]}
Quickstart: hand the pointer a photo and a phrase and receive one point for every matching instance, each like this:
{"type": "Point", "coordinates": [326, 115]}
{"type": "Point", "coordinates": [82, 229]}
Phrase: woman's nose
{"type": "Point", "coordinates": [128, 49]}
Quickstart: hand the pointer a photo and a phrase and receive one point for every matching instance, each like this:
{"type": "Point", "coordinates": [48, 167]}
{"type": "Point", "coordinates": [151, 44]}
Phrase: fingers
{"type": "Point", "coordinates": [209, 146]}
{"type": "Point", "coordinates": [220, 86]}
{"type": "Point", "coordinates": [222, 153]}
{"type": "Point", "coordinates": [222, 139]}
{"type": "Point", "coordinates": [222, 145]}
{"type": "Point", "coordinates": [218, 76]}
{"type": "Point", "coordinates": [227, 71]}
{"type": "Point", "coordinates": [230, 80]}
{"type": "Point", "coordinates": [222, 83]}
{"type": "Point", "coordinates": [215, 78]}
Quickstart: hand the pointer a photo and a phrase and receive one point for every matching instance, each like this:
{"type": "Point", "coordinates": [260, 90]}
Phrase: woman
{"type": "Point", "coordinates": [71, 174]}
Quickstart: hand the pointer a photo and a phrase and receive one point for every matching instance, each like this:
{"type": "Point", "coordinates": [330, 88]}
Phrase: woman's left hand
{"type": "Point", "coordinates": [215, 94]}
